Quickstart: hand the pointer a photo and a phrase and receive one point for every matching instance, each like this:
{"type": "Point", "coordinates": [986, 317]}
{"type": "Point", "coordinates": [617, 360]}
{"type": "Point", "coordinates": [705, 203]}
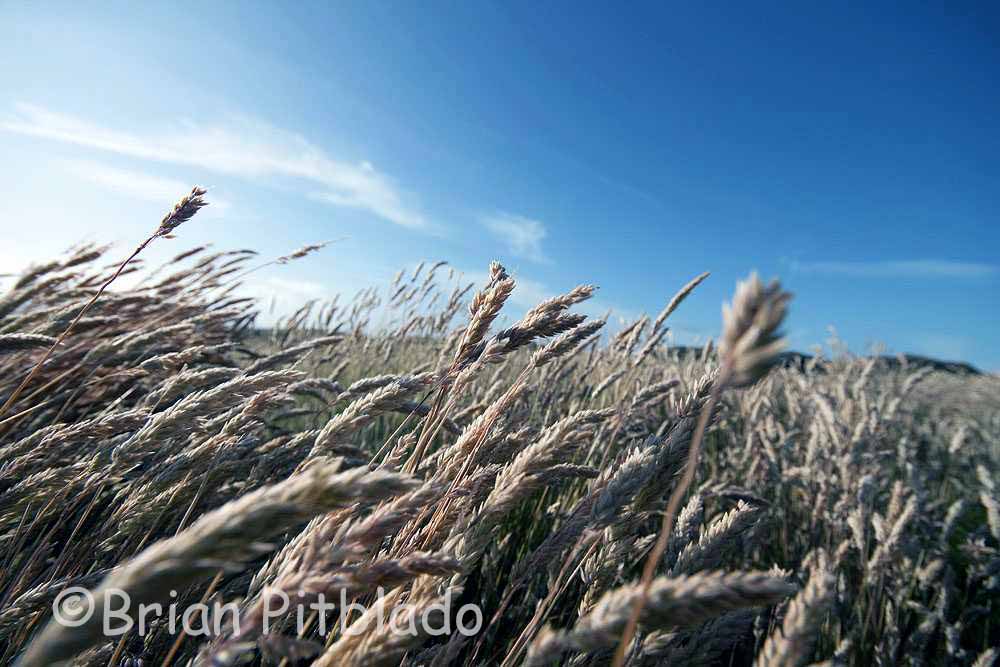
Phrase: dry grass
{"type": "Point", "coordinates": [846, 512]}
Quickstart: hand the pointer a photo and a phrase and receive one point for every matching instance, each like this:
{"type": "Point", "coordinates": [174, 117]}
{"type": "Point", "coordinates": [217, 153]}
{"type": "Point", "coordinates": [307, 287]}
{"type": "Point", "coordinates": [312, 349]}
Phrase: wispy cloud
{"type": "Point", "coordinates": [279, 297]}
{"type": "Point", "coordinates": [133, 183]}
{"type": "Point", "coordinates": [242, 147]}
{"type": "Point", "coordinates": [523, 236]}
{"type": "Point", "coordinates": [919, 268]}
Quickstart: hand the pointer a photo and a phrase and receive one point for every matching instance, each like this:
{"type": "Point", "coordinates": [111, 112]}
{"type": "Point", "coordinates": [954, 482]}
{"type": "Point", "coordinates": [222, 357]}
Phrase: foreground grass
{"type": "Point", "coordinates": [845, 512]}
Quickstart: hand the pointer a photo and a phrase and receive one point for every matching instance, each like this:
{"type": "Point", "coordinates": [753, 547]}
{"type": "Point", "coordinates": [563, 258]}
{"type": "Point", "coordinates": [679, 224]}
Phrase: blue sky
{"type": "Point", "coordinates": [852, 151]}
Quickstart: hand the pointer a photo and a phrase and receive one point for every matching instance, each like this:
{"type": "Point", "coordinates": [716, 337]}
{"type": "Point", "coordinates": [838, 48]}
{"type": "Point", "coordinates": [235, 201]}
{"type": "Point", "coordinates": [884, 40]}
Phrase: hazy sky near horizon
{"type": "Point", "coordinates": [854, 152]}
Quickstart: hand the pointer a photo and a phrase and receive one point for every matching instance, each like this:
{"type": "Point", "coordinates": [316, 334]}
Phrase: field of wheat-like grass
{"type": "Point", "coordinates": [599, 497]}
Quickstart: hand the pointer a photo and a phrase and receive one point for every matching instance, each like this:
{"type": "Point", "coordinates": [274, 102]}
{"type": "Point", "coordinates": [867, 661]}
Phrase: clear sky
{"type": "Point", "coordinates": [852, 151]}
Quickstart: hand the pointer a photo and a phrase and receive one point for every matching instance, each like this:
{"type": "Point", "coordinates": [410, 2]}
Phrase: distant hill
{"type": "Point", "coordinates": [800, 359]}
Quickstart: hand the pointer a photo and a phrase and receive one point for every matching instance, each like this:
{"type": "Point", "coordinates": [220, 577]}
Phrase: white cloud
{"type": "Point", "coordinates": [135, 184]}
{"type": "Point", "coordinates": [523, 236]}
{"type": "Point", "coordinates": [277, 297]}
{"type": "Point", "coordinates": [243, 147]}
{"type": "Point", "coordinates": [920, 268]}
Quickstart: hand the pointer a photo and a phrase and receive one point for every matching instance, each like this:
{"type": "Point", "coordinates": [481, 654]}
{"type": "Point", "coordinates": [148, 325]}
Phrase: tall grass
{"type": "Point", "coordinates": [420, 440]}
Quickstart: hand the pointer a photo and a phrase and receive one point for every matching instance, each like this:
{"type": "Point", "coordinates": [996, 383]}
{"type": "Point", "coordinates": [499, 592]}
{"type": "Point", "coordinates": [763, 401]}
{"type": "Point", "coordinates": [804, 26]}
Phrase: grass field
{"type": "Point", "coordinates": [418, 439]}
